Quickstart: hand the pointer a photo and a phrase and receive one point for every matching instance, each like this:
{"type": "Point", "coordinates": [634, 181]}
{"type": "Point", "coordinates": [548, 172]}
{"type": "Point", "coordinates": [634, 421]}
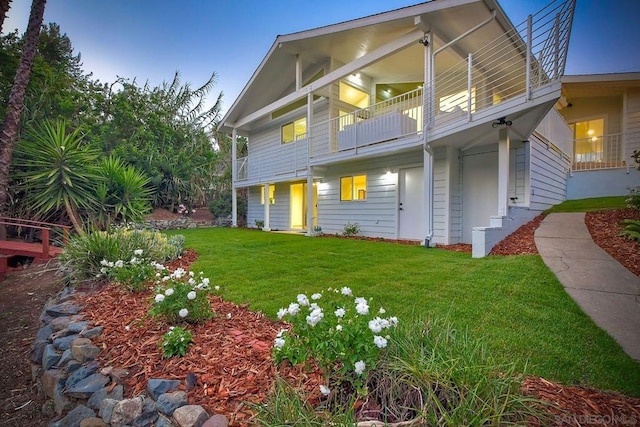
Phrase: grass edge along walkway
{"type": "Point", "coordinates": [515, 303]}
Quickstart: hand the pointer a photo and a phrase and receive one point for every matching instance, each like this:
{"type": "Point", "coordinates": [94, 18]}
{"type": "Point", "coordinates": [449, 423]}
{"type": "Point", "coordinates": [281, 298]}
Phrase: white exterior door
{"type": "Point", "coordinates": [411, 215]}
{"type": "Point", "coordinates": [479, 191]}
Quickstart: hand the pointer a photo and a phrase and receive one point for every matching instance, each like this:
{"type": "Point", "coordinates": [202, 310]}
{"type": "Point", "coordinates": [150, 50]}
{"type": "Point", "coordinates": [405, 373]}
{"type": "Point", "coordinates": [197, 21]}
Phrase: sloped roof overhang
{"type": "Point", "coordinates": [349, 41]}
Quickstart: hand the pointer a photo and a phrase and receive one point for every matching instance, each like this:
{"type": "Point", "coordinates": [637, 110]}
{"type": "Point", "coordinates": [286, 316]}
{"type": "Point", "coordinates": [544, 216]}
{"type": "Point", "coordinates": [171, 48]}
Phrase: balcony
{"type": "Point", "coordinates": [605, 151]}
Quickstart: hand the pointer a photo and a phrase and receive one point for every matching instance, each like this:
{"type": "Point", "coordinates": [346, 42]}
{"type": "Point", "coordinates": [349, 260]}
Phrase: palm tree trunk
{"type": "Point", "coordinates": [73, 216]}
{"type": "Point", "coordinates": [11, 122]}
{"type": "Point", "coordinates": [4, 8]}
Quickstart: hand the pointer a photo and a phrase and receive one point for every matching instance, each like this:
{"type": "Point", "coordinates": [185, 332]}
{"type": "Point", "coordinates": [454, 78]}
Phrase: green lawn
{"type": "Point", "coordinates": [515, 302]}
{"type": "Point", "coordinates": [593, 204]}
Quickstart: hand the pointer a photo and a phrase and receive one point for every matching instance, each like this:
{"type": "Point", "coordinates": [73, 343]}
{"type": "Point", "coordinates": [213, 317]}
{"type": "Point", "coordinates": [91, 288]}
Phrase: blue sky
{"type": "Point", "coordinates": [151, 39]}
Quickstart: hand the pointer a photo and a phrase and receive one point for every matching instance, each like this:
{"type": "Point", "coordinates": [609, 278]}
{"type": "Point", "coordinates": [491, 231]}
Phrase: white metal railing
{"type": "Point", "coordinates": [494, 74]}
{"type": "Point", "coordinates": [282, 159]}
{"type": "Point", "coordinates": [387, 120]}
{"type": "Point", "coordinates": [242, 172]}
{"type": "Point", "coordinates": [605, 151]}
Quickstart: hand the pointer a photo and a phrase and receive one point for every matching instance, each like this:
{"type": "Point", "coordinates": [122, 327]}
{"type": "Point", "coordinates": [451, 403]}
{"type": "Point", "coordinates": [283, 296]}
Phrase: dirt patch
{"type": "Point", "coordinates": [605, 229]}
{"type": "Point", "coordinates": [23, 294]}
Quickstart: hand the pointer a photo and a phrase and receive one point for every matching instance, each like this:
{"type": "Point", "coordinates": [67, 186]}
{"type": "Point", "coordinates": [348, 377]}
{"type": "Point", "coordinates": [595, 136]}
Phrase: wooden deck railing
{"type": "Point", "coordinates": [42, 250]}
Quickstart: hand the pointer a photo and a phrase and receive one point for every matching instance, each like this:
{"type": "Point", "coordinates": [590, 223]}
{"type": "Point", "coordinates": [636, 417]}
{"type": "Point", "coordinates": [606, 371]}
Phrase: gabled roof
{"type": "Point", "coordinates": [349, 40]}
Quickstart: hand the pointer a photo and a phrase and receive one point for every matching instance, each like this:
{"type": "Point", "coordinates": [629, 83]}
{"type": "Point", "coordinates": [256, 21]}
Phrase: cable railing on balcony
{"type": "Point", "coordinates": [605, 151]}
{"type": "Point", "coordinates": [269, 163]}
{"type": "Point", "coordinates": [516, 63]}
{"type": "Point", "coordinates": [387, 120]}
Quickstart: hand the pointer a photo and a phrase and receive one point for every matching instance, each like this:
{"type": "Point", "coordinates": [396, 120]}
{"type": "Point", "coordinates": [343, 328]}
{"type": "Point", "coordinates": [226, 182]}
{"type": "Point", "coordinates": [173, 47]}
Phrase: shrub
{"type": "Point", "coordinates": [259, 223]}
{"type": "Point", "coordinates": [175, 342]}
{"type": "Point", "coordinates": [182, 297]}
{"type": "Point", "coordinates": [132, 274]}
{"type": "Point", "coordinates": [341, 333]}
{"type": "Point", "coordinates": [351, 229]}
{"type": "Point", "coordinates": [83, 255]}
{"type": "Point", "coordinates": [221, 206]}
{"type": "Point", "coordinates": [431, 374]}
{"type": "Point", "coordinates": [633, 201]}
{"type": "Point", "coordinates": [631, 230]}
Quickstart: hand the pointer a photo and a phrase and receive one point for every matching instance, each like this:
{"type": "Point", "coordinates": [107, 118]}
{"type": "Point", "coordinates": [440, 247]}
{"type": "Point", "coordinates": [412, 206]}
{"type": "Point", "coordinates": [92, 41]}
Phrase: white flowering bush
{"type": "Point", "coordinates": [134, 274]}
{"type": "Point", "coordinates": [342, 333]}
{"type": "Point", "coordinates": [182, 297]}
{"type": "Point", "coordinates": [175, 342]}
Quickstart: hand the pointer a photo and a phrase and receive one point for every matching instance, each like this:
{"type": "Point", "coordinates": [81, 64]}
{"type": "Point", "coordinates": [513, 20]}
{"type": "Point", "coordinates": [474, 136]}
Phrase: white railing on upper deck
{"type": "Point", "coordinates": [283, 159]}
{"type": "Point", "coordinates": [494, 74]}
{"type": "Point", "coordinates": [605, 151]}
{"type": "Point", "coordinates": [387, 120]}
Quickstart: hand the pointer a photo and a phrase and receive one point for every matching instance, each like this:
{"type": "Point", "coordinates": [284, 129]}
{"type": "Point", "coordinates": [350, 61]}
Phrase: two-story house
{"type": "Point", "coordinates": [415, 123]}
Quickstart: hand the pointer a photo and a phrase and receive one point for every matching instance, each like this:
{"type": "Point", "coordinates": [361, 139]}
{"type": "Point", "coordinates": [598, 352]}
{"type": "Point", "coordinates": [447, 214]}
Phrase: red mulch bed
{"type": "Point", "coordinates": [605, 229]}
{"type": "Point", "coordinates": [521, 241]}
{"type": "Point", "coordinates": [581, 406]}
{"type": "Point", "coordinates": [230, 355]}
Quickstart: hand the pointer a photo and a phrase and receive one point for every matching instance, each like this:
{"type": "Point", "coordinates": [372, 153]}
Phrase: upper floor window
{"type": "Point", "coordinates": [294, 131]}
{"type": "Point", "coordinates": [353, 188]}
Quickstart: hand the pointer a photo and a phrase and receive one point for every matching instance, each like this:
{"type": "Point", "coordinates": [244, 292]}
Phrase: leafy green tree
{"type": "Point", "coordinates": [4, 8]}
{"type": "Point", "coordinates": [165, 132]}
{"type": "Point", "coordinates": [58, 171]}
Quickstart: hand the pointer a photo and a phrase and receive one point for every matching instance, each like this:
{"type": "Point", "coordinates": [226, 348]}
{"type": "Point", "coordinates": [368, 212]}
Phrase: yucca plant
{"type": "Point", "coordinates": [631, 230]}
{"type": "Point", "coordinates": [123, 194]}
{"type": "Point", "coordinates": [58, 170]}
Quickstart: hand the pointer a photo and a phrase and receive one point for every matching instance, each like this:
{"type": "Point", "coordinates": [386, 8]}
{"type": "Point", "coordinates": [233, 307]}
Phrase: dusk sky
{"type": "Point", "coordinates": [150, 40]}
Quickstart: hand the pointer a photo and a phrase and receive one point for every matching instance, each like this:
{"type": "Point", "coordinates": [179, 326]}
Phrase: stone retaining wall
{"type": "Point", "coordinates": [184, 222]}
{"type": "Point", "coordinates": [80, 393]}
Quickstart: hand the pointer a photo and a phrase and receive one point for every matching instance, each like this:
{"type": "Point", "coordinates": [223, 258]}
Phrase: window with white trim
{"type": "Point", "coordinates": [353, 188]}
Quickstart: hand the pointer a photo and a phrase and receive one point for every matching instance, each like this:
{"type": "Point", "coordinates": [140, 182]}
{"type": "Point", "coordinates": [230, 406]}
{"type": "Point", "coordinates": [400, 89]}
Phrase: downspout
{"type": "Point", "coordinates": [430, 87]}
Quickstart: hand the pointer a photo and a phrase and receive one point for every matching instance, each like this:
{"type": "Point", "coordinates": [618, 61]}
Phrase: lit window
{"type": "Point", "coordinates": [294, 131]}
{"type": "Point", "coordinates": [272, 194]}
{"type": "Point", "coordinates": [353, 188]}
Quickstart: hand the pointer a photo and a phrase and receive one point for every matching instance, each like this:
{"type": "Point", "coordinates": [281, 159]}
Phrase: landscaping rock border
{"type": "Point", "coordinates": [184, 222]}
{"type": "Point", "coordinates": [82, 394]}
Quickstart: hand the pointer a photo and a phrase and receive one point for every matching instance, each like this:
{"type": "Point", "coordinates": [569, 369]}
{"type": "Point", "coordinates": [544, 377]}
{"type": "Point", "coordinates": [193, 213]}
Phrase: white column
{"type": "Point", "coordinates": [234, 177]}
{"type": "Point", "coordinates": [503, 171]}
{"type": "Point", "coordinates": [310, 203]}
{"type": "Point", "coordinates": [428, 90]}
{"type": "Point", "coordinates": [309, 168]}
{"type": "Point", "coordinates": [427, 174]}
{"type": "Point", "coordinates": [267, 204]}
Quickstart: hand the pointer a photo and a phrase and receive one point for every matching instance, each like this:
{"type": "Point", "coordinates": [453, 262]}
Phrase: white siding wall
{"type": "Point", "coordinates": [632, 122]}
{"type": "Point", "coordinates": [517, 175]}
{"type": "Point", "coordinates": [548, 174]}
{"type": "Point", "coordinates": [377, 216]}
{"type": "Point", "coordinates": [455, 200]}
{"type": "Point", "coordinates": [268, 157]}
{"type": "Point", "coordinates": [440, 196]}
{"type": "Point", "coordinates": [278, 212]}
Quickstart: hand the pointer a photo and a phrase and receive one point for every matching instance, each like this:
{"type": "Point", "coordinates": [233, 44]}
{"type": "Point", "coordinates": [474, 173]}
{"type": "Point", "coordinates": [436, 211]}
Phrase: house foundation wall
{"type": "Point", "coordinates": [602, 183]}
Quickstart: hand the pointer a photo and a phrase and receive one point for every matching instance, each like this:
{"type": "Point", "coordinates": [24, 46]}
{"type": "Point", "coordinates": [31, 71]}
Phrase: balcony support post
{"type": "Point", "coordinates": [234, 178]}
{"type": "Point", "coordinates": [310, 206]}
{"type": "Point", "coordinates": [267, 205]}
{"type": "Point", "coordinates": [469, 83]}
{"type": "Point", "coordinates": [528, 60]}
{"type": "Point", "coordinates": [503, 171]}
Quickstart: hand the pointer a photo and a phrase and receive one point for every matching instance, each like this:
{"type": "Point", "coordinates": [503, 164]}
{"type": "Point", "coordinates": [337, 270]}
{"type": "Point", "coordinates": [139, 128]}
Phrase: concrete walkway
{"type": "Point", "coordinates": [604, 289]}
